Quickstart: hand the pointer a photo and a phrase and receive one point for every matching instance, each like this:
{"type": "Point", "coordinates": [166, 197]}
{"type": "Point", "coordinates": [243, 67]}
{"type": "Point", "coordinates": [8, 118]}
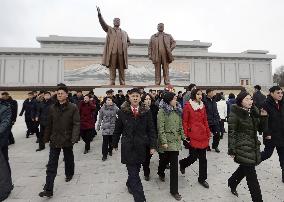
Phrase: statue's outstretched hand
{"type": "Point", "coordinates": [99, 10]}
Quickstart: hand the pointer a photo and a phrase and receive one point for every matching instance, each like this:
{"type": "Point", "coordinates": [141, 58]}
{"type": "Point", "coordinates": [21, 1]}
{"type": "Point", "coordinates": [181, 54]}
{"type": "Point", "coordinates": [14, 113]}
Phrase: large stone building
{"type": "Point", "coordinates": [76, 61]}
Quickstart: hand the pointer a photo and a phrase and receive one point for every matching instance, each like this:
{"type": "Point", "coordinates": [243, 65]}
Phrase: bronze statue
{"type": "Point", "coordinates": [160, 50]}
{"type": "Point", "coordinates": [115, 51]}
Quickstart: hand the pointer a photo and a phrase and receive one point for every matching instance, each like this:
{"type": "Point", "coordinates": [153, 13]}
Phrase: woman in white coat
{"type": "Point", "coordinates": [222, 109]}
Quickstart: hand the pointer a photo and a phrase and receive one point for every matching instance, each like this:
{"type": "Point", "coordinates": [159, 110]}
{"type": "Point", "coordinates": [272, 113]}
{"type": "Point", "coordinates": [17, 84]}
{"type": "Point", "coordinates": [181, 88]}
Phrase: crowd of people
{"type": "Point", "coordinates": [145, 123]}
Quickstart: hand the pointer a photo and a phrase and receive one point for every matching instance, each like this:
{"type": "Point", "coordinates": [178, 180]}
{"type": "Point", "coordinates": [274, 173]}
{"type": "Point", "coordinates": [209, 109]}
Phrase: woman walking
{"type": "Point", "coordinates": [106, 122]}
{"type": "Point", "coordinates": [243, 144]}
{"type": "Point", "coordinates": [87, 119]}
{"type": "Point", "coordinates": [196, 129]}
{"type": "Point", "coordinates": [149, 101]}
{"type": "Point", "coordinates": [170, 135]}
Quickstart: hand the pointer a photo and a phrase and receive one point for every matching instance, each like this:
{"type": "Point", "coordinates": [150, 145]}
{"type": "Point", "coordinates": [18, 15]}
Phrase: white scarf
{"type": "Point", "coordinates": [196, 106]}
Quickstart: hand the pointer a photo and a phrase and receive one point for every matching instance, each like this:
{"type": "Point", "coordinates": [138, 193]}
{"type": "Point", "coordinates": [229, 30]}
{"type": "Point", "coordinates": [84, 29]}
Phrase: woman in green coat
{"type": "Point", "coordinates": [170, 134]}
{"type": "Point", "coordinates": [243, 144]}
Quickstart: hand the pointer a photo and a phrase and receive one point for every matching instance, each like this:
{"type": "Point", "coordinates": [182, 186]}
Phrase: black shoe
{"type": "Point", "coordinates": [208, 148]}
{"type": "Point", "coordinates": [233, 190]}
{"type": "Point", "coordinates": [204, 184]}
{"type": "Point", "coordinates": [104, 158]}
{"type": "Point", "coordinates": [177, 196]}
{"type": "Point", "coordinates": [162, 178]}
{"type": "Point", "coordinates": [69, 178]}
{"type": "Point", "coordinates": [217, 150]}
{"type": "Point", "coordinates": [182, 169]}
{"type": "Point", "coordinates": [110, 153]}
{"type": "Point", "coordinates": [46, 193]}
{"type": "Point", "coordinates": [147, 178]}
{"type": "Point", "coordinates": [86, 151]}
{"type": "Point", "coordinates": [168, 166]}
{"type": "Point", "coordinates": [128, 188]}
{"type": "Point", "coordinates": [27, 135]}
{"type": "Point", "coordinates": [40, 149]}
{"type": "Point", "coordinates": [37, 140]}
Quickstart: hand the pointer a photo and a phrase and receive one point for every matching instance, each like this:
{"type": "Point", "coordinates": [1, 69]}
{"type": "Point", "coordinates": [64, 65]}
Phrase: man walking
{"type": "Point", "coordinates": [62, 132]}
{"type": "Point", "coordinates": [273, 137]}
{"type": "Point", "coordinates": [135, 123]}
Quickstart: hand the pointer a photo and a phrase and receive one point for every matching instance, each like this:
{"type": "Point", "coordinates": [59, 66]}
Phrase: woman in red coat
{"type": "Point", "coordinates": [196, 129]}
{"type": "Point", "coordinates": [88, 121]}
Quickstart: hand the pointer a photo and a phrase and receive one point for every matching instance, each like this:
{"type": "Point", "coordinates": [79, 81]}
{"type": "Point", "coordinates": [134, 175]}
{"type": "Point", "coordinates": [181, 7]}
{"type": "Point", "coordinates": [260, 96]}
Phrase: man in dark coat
{"type": "Point", "coordinates": [28, 107]}
{"type": "Point", "coordinates": [135, 123]}
{"type": "Point", "coordinates": [62, 132]}
{"type": "Point", "coordinates": [120, 98]}
{"type": "Point", "coordinates": [273, 137]}
{"type": "Point", "coordinates": [5, 170]}
{"type": "Point", "coordinates": [41, 116]}
{"type": "Point", "coordinates": [258, 97]}
{"type": "Point", "coordinates": [14, 108]}
{"type": "Point", "coordinates": [213, 118]}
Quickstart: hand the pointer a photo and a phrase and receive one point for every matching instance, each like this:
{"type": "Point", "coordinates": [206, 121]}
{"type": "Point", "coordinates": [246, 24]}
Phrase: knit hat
{"type": "Point", "coordinates": [240, 97]}
{"type": "Point", "coordinates": [168, 97]}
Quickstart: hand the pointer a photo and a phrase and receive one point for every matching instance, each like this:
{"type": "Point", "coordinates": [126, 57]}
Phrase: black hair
{"type": "Point", "coordinates": [240, 97]}
{"type": "Point", "coordinates": [47, 92]}
{"type": "Point", "coordinates": [190, 87]}
{"type": "Point", "coordinates": [144, 97]}
{"type": "Point", "coordinates": [232, 96]}
{"type": "Point", "coordinates": [134, 90]}
{"type": "Point", "coordinates": [168, 97]}
{"type": "Point", "coordinates": [193, 93]}
{"type": "Point", "coordinates": [257, 87]}
{"type": "Point", "coordinates": [274, 88]}
{"type": "Point", "coordinates": [218, 97]}
{"type": "Point", "coordinates": [30, 93]}
{"type": "Point", "coordinates": [209, 90]}
{"type": "Point", "coordinates": [119, 91]}
{"type": "Point", "coordinates": [5, 93]}
{"type": "Point", "coordinates": [64, 88]}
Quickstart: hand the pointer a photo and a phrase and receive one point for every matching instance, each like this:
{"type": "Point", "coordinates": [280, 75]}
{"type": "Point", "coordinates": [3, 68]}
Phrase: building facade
{"type": "Point", "coordinates": [76, 62]}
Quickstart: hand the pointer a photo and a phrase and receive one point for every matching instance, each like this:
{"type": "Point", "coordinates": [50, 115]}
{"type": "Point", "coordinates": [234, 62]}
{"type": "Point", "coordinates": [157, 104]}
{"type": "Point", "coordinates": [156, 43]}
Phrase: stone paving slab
{"type": "Point", "coordinates": [95, 180]}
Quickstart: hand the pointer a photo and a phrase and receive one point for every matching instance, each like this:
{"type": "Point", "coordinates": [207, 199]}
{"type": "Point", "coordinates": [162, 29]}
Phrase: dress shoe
{"type": "Point", "coordinates": [86, 151]}
{"type": "Point", "coordinates": [46, 193]}
{"type": "Point", "coordinates": [128, 188]}
{"type": "Point", "coordinates": [217, 150]}
{"type": "Point", "coordinates": [177, 196]}
{"type": "Point", "coordinates": [208, 148]}
{"type": "Point", "coordinates": [204, 184]}
{"type": "Point", "coordinates": [162, 178]}
{"type": "Point", "coordinates": [233, 190]}
{"type": "Point", "coordinates": [182, 169]}
{"type": "Point", "coordinates": [40, 149]}
{"type": "Point", "coordinates": [104, 158]}
{"type": "Point", "coordinates": [69, 178]}
{"type": "Point", "coordinates": [147, 178]}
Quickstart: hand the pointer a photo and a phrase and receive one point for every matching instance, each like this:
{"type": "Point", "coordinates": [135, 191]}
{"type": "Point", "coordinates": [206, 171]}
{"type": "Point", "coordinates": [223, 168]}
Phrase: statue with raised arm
{"type": "Point", "coordinates": [115, 51]}
{"type": "Point", "coordinates": [160, 50]}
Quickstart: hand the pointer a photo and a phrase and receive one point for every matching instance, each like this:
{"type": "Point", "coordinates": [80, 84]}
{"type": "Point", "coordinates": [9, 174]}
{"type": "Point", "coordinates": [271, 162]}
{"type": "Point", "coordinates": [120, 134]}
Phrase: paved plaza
{"type": "Point", "coordinates": [95, 180]}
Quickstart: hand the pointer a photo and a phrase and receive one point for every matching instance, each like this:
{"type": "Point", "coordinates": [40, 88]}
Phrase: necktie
{"type": "Point", "coordinates": [135, 112]}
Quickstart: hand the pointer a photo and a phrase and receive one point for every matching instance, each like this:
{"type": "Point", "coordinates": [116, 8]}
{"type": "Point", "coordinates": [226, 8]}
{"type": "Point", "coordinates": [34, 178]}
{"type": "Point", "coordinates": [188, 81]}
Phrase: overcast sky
{"type": "Point", "coordinates": [230, 25]}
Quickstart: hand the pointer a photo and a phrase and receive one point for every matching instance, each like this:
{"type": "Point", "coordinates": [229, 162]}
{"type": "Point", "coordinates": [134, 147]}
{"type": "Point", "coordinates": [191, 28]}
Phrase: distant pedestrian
{"type": "Point", "coordinates": [106, 123]}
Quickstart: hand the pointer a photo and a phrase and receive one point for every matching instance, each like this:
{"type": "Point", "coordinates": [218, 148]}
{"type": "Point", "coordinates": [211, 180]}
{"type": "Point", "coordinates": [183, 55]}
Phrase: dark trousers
{"type": "Point", "coordinates": [222, 127]}
{"type": "Point", "coordinates": [216, 135]}
{"type": "Point", "coordinates": [6, 156]}
{"type": "Point", "coordinates": [35, 129]}
{"type": "Point", "coordinates": [29, 124]}
{"type": "Point", "coordinates": [11, 136]}
{"type": "Point", "coordinates": [268, 151]}
{"type": "Point", "coordinates": [107, 145]}
{"type": "Point", "coordinates": [195, 154]}
{"type": "Point", "coordinates": [134, 182]}
{"type": "Point", "coordinates": [252, 182]}
{"type": "Point", "coordinates": [172, 158]}
{"type": "Point", "coordinates": [146, 164]}
{"type": "Point", "coordinates": [87, 137]}
{"type": "Point", "coordinates": [41, 144]}
{"type": "Point", "coordinates": [52, 165]}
